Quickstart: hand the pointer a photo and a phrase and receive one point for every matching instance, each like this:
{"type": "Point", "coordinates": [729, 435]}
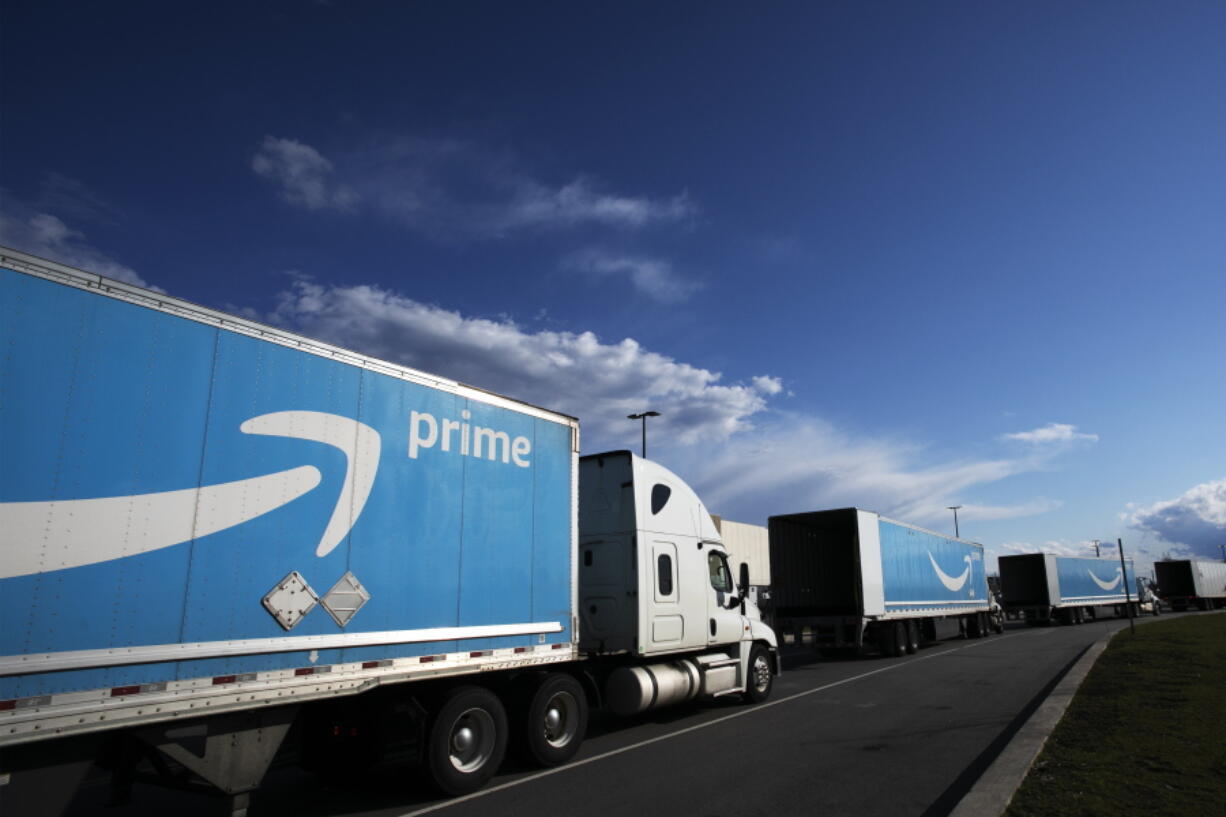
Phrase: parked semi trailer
{"type": "Point", "coordinates": [1184, 583]}
{"type": "Point", "coordinates": [843, 578]}
{"type": "Point", "coordinates": [212, 530]}
{"type": "Point", "coordinates": [1043, 587]}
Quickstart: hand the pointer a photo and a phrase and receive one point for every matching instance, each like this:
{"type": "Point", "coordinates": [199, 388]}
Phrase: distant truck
{"type": "Point", "coordinates": [212, 530]}
{"type": "Point", "coordinates": [1044, 587]}
{"type": "Point", "coordinates": [849, 577]}
{"type": "Point", "coordinates": [1184, 583]}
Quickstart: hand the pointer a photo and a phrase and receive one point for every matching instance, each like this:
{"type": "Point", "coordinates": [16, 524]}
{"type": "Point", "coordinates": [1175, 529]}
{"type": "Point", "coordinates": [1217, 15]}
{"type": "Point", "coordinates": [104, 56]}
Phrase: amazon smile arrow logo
{"type": "Point", "coordinates": [1119, 574]}
{"type": "Point", "coordinates": [953, 583]}
{"type": "Point", "coordinates": [87, 531]}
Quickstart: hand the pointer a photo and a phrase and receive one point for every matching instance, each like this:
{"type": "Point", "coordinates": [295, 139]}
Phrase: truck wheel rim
{"type": "Point", "coordinates": [761, 673]}
{"type": "Point", "coordinates": [561, 720]}
{"type": "Point", "coordinates": [472, 740]}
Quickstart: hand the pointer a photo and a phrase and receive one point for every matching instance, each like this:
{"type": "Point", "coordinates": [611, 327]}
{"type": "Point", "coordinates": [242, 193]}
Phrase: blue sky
{"type": "Point", "coordinates": [900, 256]}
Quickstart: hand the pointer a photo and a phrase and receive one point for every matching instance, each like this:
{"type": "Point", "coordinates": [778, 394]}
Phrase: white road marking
{"type": "Point", "coordinates": [776, 702]}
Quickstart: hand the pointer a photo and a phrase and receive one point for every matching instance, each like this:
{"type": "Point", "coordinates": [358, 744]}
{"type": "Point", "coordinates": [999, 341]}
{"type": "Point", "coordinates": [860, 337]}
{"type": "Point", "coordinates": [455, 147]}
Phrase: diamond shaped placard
{"type": "Point", "coordinates": [290, 600]}
{"type": "Point", "coordinates": [345, 599]}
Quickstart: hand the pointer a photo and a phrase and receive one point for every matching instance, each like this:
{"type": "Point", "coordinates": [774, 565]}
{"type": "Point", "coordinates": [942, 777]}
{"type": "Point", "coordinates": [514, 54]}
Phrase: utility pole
{"type": "Point", "coordinates": [643, 417]}
{"type": "Point", "coordinates": [1127, 592]}
{"type": "Point", "coordinates": [955, 508]}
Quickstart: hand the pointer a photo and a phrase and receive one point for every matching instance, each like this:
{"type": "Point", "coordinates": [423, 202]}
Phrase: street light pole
{"type": "Point", "coordinates": [955, 508]}
{"type": "Point", "coordinates": [1127, 593]}
{"type": "Point", "coordinates": [643, 417]}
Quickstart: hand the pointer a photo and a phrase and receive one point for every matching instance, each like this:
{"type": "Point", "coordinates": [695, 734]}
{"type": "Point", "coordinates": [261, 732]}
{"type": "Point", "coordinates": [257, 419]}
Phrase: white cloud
{"type": "Point", "coordinates": [46, 235]}
{"type": "Point", "coordinates": [796, 463]}
{"type": "Point", "coordinates": [449, 189]}
{"type": "Point", "coordinates": [1059, 547]}
{"type": "Point", "coordinates": [1196, 520]}
{"type": "Point", "coordinates": [651, 277]}
{"type": "Point", "coordinates": [746, 460]}
{"type": "Point", "coordinates": [575, 373]}
{"type": "Point", "coordinates": [302, 175]}
{"type": "Point", "coordinates": [767, 384]}
{"type": "Point", "coordinates": [1052, 433]}
{"type": "Point", "coordinates": [577, 202]}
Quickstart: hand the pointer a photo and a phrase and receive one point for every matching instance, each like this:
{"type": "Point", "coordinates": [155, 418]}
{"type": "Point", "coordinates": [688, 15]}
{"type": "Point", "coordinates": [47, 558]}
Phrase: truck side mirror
{"type": "Point", "coordinates": [743, 584]}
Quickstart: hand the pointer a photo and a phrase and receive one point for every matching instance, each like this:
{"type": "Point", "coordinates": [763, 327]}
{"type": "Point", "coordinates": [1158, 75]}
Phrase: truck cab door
{"type": "Point", "coordinates": [724, 625]}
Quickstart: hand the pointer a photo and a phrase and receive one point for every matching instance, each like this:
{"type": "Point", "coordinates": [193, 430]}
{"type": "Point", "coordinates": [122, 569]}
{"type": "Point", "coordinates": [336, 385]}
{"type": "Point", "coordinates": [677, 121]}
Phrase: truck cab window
{"type": "Point", "coordinates": [664, 567]}
{"type": "Point", "coordinates": [659, 497]}
{"type": "Point", "coordinates": [721, 579]}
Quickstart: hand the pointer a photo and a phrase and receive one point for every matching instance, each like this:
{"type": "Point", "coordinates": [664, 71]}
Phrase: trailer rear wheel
{"type": "Point", "coordinates": [467, 740]}
{"type": "Point", "coordinates": [912, 636]}
{"type": "Point", "coordinates": [556, 720]}
{"type": "Point", "coordinates": [891, 639]}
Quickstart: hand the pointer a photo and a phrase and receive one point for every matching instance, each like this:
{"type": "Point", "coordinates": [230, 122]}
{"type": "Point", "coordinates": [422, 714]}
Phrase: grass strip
{"type": "Point", "coordinates": [1145, 733]}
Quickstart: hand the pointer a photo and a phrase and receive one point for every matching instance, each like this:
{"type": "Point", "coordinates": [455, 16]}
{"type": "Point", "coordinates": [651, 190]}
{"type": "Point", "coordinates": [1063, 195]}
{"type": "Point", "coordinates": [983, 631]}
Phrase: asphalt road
{"type": "Point", "coordinates": [865, 736]}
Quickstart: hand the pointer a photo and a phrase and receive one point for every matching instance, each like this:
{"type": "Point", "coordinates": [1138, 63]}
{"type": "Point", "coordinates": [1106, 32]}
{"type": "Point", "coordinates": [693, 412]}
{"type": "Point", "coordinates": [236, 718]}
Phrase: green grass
{"type": "Point", "coordinates": [1146, 732]}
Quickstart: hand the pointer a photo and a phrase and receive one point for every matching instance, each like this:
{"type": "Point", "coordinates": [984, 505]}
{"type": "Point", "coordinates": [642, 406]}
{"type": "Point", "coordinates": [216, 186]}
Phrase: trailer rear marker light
{"type": "Point", "coordinates": [480, 653]}
{"type": "Point", "coordinates": [117, 692]}
{"type": "Point", "coordinates": [7, 705]}
{"type": "Point", "coordinates": [521, 649]}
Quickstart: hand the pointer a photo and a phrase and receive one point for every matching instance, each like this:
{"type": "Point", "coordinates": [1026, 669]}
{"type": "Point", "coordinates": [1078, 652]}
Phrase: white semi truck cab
{"type": "Point", "coordinates": [657, 598]}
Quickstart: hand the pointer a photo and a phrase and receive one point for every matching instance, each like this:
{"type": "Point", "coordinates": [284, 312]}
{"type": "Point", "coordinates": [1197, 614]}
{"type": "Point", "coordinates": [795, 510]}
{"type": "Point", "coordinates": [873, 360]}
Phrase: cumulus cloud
{"type": "Point", "coordinates": [1196, 520]}
{"type": "Point", "coordinates": [651, 277]}
{"type": "Point", "coordinates": [303, 177]}
{"type": "Point", "coordinates": [576, 373]}
{"type": "Point", "coordinates": [33, 230]}
{"type": "Point", "coordinates": [747, 459]}
{"type": "Point", "coordinates": [448, 189]}
{"type": "Point", "coordinates": [767, 384]}
{"type": "Point", "coordinates": [1052, 433]}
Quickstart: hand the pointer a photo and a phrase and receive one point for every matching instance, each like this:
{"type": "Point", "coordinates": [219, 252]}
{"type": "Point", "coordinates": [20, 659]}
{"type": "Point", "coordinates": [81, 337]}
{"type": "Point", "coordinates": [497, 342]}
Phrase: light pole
{"type": "Point", "coordinates": [1096, 553]}
{"type": "Point", "coordinates": [955, 508]}
{"type": "Point", "coordinates": [643, 417]}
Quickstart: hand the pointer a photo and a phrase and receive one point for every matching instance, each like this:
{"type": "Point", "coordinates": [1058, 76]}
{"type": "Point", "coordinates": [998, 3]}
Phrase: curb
{"type": "Point", "coordinates": [994, 789]}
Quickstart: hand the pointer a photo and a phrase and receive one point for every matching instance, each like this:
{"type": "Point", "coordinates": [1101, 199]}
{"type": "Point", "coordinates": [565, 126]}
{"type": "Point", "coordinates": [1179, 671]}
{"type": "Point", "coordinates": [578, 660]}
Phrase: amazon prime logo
{"type": "Point", "coordinates": [89, 531]}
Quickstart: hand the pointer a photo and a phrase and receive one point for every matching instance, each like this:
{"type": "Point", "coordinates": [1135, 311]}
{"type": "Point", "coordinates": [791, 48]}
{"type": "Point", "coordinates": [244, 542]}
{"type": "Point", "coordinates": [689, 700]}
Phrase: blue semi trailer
{"type": "Point", "coordinates": [1044, 587]}
{"type": "Point", "coordinates": [844, 578]}
{"type": "Point", "coordinates": [212, 530]}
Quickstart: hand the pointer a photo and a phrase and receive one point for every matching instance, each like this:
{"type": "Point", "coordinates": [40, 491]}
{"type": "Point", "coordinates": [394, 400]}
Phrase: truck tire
{"type": "Point", "coordinates": [889, 644]}
{"type": "Point", "coordinates": [898, 639]}
{"type": "Point", "coordinates": [761, 678]}
{"type": "Point", "coordinates": [974, 626]}
{"type": "Point", "coordinates": [555, 721]}
{"type": "Point", "coordinates": [912, 636]}
{"type": "Point", "coordinates": [467, 740]}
